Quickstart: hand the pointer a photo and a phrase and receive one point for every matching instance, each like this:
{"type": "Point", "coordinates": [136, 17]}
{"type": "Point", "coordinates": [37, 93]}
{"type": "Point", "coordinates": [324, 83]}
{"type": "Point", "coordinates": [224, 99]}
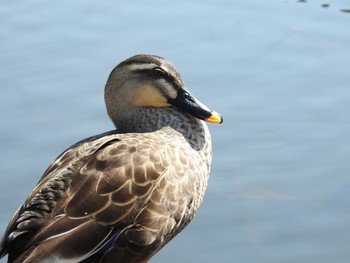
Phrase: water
{"type": "Point", "coordinates": [278, 71]}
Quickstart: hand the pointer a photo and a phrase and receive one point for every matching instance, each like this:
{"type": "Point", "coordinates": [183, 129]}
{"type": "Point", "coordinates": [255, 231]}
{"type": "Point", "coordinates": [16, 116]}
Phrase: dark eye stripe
{"type": "Point", "coordinates": [150, 72]}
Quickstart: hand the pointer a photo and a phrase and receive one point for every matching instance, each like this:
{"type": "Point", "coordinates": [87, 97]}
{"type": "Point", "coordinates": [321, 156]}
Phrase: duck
{"type": "Point", "coordinates": [122, 195]}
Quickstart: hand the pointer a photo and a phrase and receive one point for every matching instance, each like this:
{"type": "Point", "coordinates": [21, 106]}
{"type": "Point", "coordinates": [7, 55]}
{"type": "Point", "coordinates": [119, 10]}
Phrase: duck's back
{"type": "Point", "coordinates": [138, 190]}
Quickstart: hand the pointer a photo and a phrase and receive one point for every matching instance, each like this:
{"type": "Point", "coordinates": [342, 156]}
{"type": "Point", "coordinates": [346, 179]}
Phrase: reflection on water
{"type": "Point", "coordinates": [327, 5]}
{"type": "Point", "coordinates": [279, 188]}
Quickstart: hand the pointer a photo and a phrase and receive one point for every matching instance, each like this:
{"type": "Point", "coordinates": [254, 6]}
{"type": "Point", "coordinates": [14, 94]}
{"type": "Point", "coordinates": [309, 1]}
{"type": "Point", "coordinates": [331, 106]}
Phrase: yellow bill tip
{"type": "Point", "coordinates": [214, 118]}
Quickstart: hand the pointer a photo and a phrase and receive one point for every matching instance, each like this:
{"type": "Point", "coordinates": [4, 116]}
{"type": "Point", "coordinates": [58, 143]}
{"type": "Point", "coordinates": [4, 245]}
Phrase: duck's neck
{"type": "Point", "coordinates": [151, 119]}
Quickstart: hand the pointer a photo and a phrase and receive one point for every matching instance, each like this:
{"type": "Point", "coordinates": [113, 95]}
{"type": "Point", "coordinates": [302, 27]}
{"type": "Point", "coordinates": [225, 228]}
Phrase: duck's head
{"type": "Point", "coordinates": [149, 81]}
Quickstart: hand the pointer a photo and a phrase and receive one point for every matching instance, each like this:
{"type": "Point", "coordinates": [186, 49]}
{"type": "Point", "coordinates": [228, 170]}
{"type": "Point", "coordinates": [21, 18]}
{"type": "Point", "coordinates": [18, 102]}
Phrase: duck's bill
{"type": "Point", "coordinates": [214, 118]}
{"type": "Point", "coordinates": [191, 105]}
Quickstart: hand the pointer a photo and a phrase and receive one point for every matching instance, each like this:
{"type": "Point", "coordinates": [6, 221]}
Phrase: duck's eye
{"type": "Point", "coordinates": [158, 72]}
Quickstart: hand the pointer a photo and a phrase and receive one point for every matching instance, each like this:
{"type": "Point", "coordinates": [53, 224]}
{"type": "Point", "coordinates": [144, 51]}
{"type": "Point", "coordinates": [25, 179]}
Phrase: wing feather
{"type": "Point", "coordinates": [90, 192]}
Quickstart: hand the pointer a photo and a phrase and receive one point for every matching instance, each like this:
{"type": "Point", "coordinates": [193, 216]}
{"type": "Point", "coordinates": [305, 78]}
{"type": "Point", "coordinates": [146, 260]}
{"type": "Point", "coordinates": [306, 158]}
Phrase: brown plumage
{"type": "Point", "coordinates": [122, 195]}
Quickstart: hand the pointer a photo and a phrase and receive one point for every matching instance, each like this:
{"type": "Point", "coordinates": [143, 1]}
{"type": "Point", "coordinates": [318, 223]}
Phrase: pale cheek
{"type": "Point", "coordinates": [172, 93]}
{"type": "Point", "coordinates": [148, 96]}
